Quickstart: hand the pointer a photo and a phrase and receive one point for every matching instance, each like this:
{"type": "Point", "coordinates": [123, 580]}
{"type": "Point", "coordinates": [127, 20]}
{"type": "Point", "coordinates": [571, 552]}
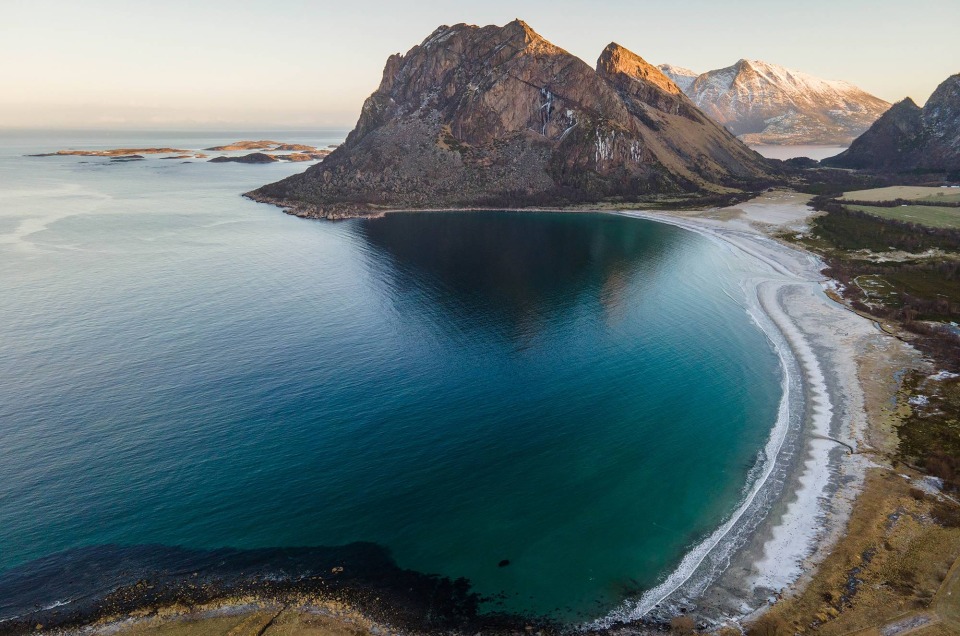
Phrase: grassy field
{"type": "Point", "coordinates": [904, 192]}
{"type": "Point", "coordinates": [942, 197]}
{"type": "Point", "coordinates": [923, 214]}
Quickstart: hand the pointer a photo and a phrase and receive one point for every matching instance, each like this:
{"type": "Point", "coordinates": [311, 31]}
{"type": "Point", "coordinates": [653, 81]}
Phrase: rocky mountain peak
{"type": "Point", "coordinates": [908, 137]}
{"type": "Point", "coordinates": [521, 30]}
{"type": "Point", "coordinates": [617, 59]}
{"type": "Point", "coordinates": [905, 105]}
{"type": "Point", "coordinates": [667, 69]}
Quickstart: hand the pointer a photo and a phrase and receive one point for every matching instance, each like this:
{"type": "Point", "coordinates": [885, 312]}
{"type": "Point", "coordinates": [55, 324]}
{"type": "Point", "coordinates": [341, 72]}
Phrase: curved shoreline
{"type": "Point", "coordinates": [799, 519]}
{"type": "Point", "coordinates": [725, 537]}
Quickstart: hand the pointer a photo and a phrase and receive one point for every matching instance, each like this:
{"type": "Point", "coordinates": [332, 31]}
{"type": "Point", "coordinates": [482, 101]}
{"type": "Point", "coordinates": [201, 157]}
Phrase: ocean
{"type": "Point", "coordinates": [552, 406]}
{"type": "Point", "coordinates": [783, 153]}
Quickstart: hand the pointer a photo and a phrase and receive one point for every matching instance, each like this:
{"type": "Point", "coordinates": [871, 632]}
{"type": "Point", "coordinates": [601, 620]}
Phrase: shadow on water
{"type": "Point", "coordinates": [514, 273]}
{"type": "Point", "coordinates": [79, 586]}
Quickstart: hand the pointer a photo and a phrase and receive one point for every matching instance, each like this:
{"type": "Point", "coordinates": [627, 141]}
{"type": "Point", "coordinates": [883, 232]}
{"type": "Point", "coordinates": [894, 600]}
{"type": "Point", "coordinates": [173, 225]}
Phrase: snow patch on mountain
{"type": "Point", "coordinates": [682, 77]}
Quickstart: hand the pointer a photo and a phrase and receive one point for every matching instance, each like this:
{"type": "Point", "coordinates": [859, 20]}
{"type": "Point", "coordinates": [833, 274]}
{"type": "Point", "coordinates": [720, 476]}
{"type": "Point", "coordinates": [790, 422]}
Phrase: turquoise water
{"type": "Point", "coordinates": [579, 394]}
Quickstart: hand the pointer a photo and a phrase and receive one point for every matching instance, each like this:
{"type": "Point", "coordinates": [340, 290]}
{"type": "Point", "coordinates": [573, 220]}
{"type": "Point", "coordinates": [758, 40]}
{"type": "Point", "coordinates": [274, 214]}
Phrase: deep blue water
{"type": "Point", "coordinates": [579, 394]}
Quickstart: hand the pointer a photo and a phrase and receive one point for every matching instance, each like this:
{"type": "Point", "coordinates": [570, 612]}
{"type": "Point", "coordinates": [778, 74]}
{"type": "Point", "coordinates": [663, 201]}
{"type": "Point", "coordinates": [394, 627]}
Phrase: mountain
{"type": "Point", "coordinates": [500, 117]}
{"type": "Point", "coordinates": [764, 103]}
{"type": "Point", "coordinates": [908, 137]}
{"type": "Point", "coordinates": [682, 77]}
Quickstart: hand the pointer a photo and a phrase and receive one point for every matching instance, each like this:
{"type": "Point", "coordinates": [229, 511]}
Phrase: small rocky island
{"type": "Point", "coordinates": [279, 151]}
{"type": "Point", "coordinates": [264, 144]}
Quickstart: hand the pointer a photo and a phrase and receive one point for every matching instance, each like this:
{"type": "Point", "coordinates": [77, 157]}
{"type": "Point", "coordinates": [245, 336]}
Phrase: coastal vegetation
{"type": "Point", "coordinates": [892, 568]}
{"type": "Point", "coordinates": [895, 566]}
{"type": "Point", "coordinates": [942, 194]}
{"type": "Point", "coordinates": [918, 212]}
{"type": "Point", "coordinates": [895, 270]}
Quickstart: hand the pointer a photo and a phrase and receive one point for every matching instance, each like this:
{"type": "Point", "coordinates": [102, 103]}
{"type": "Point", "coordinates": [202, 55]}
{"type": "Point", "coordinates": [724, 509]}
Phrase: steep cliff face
{"type": "Point", "coordinates": [908, 137]}
{"type": "Point", "coordinates": [498, 116]}
{"type": "Point", "coordinates": [941, 121]}
{"type": "Point", "coordinates": [685, 140]}
{"type": "Point", "coordinates": [764, 103]}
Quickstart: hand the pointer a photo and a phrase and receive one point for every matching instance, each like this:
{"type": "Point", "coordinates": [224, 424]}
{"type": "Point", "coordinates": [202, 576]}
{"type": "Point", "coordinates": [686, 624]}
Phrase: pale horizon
{"type": "Point", "coordinates": [295, 64]}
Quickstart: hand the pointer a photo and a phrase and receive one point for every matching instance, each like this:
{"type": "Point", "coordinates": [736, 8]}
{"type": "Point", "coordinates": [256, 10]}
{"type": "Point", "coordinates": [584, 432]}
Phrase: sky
{"type": "Point", "coordinates": [221, 64]}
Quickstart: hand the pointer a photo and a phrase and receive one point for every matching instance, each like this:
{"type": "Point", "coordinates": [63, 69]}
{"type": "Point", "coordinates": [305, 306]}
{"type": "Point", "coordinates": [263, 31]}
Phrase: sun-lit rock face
{"type": "Point", "coordinates": [498, 116]}
{"type": "Point", "coordinates": [908, 137]}
{"type": "Point", "coordinates": [765, 103]}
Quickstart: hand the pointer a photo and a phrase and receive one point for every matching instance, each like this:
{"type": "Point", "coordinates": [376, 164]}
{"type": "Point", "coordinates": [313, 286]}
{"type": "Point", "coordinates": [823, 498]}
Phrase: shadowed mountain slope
{"type": "Point", "coordinates": [908, 137]}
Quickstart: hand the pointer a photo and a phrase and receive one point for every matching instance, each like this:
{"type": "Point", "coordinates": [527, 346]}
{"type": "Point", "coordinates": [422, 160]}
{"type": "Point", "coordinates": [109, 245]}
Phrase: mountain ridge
{"type": "Point", "coordinates": [764, 103]}
{"type": "Point", "coordinates": [500, 117]}
{"type": "Point", "coordinates": [908, 137]}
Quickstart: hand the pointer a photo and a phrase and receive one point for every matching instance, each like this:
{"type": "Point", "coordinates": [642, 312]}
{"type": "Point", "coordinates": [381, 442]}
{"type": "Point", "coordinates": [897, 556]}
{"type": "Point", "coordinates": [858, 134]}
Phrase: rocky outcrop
{"type": "Point", "coordinates": [296, 147]}
{"type": "Point", "coordinates": [500, 117]}
{"type": "Point", "coordinates": [764, 103]}
{"type": "Point", "coordinates": [253, 157]}
{"type": "Point", "coordinates": [263, 144]}
{"type": "Point", "coordinates": [908, 137]}
{"type": "Point", "coordinates": [263, 157]}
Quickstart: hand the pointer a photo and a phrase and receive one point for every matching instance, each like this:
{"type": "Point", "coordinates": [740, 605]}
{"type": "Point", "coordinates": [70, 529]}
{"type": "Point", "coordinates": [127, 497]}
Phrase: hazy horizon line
{"type": "Point", "coordinates": [175, 128]}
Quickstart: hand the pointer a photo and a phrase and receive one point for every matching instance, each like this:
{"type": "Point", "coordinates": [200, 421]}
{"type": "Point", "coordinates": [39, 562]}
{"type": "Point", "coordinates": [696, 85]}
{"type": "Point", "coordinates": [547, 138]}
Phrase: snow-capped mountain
{"type": "Point", "coordinates": [682, 77]}
{"type": "Point", "coordinates": [765, 103]}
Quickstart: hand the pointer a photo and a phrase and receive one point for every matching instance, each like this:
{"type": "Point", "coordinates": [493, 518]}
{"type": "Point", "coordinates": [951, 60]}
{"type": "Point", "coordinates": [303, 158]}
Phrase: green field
{"type": "Point", "coordinates": [933, 216]}
{"type": "Point", "coordinates": [891, 193]}
{"type": "Point", "coordinates": [942, 197]}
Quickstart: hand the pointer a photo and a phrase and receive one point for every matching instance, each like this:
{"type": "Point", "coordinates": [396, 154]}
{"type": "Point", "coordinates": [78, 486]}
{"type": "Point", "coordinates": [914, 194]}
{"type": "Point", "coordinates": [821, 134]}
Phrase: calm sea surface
{"type": "Point", "coordinates": [579, 394]}
{"type": "Point", "coordinates": [789, 152]}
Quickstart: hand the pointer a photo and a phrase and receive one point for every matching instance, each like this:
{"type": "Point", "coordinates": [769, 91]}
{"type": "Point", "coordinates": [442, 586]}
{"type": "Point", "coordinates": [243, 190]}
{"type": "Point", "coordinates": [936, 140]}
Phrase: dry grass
{"type": "Point", "coordinates": [311, 619]}
{"type": "Point", "coordinates": [890, 565]}
{"type": "Point", "coordinates": [309, 623]}
{"type": "Point", "coordinates": [236, 625]}
{"type": "Point", "coordinates": [900, 542]}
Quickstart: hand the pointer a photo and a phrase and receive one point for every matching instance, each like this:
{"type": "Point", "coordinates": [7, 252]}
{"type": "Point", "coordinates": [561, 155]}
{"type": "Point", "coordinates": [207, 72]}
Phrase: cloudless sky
{"type": "Point", "coordinates": [300, 63]}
